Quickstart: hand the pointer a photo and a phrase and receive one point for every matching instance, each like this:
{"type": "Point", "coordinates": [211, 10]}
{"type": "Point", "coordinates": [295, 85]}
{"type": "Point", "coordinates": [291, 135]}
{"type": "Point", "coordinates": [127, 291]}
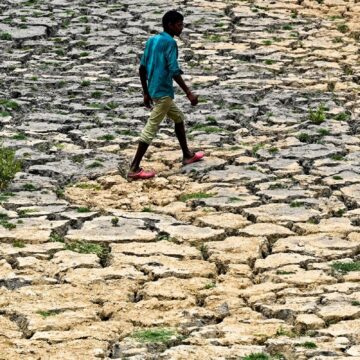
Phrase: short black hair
{"type": "Point", "coordinates": [171, 17]}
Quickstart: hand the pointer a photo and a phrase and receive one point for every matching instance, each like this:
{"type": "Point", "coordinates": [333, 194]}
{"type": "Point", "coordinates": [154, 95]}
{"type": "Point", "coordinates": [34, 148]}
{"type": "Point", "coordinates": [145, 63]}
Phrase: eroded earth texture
{"type": "Point", "coordinates": [250, 254]}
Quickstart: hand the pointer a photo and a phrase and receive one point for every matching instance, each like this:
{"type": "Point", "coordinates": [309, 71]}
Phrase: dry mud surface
{"type": "Point", "coordinates": [251, 254]}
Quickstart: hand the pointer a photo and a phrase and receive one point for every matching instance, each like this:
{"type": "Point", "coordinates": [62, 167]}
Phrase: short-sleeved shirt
{"type": "Point", "coordinates": [160, 59]}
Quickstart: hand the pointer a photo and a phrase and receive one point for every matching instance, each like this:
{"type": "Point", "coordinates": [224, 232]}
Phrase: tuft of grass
{"type": "Point", "coordinates": [83, 247]}
{"type": "Point", "coordinates": [256, 148]}
{"type": "Point", "coordinates": [192, 196]}
{"type": "Point", "coordinates": [5, 36]}
{"type": "Point", "coordinates": [210, 286]}
{"type": "Point", "coordinates": [19, 136]}
{"type": "Point", "coordinates": [94, 164]}
{"type": "Point", "coordinates": [282, 272]}
{"type": "Point", "coordinates": [267, 42]}
{"type": "Point", "coordinates": [273, 150]}
{"type": "Point", "coordinates": [9, 104]}
{"type": "Point", "coordinates": [343, 28]}
{"type": "Point", "coordinates": [7, 225]}
{"type": "Point", "coordinates": [283, 332]}
{"type": "Point", "coordinates": [355, 303]}
{"type": "Point", "coordinates": [54, 237]}
{"type": "Point", "coordinates": [211, 120]}
{"type": "Point", "coordinates": [127, 132]}
{"type": "Point", "coordinates": [296, 204]}
{"type": "Point", "coordinates": [337, 177]}
{"type": "Point", "coordinates": [204, 250]}
{"type": "Point", "coordinates": [287, 27]}
{"type": "Point", "coordinates": [207, 129]}
{"type": "Point", "coordinates": [106, 137]}
{"type": "Point", "coordinates": [29, 187]}
{"type": "Point", "coordinates": [337, 157]}
{"type": "Point", "coordinates": [87, 186]}
{"type": "Point", "coordinates": [256, 356]}
{"type": "Point", "coordinates": [308, 345]}
{"type": "Point", "coordinates": [9, 166]}
{"type": "Point", "coordinates": [85, 83]}
{"type": "Point", "coordinates": [96, 94]}
{"type": "Point", "coordinates": [345, 267]}
{"type": "Point", "coordinates": [47, 313]}
{"type": "Point", "coordinates": [343, 116]}
{"type": "Point", "coordinates": [147, 209]}
{"type": "Point", "coordinates": [154, 335]}
{"type": "Point", "coordinates": [83, 210]}
{"type": "Point", "coordinates": [269, 62]}
{"type": "Point", "coordinates": [115, 221]}
{"type": "Point", "coordinates": [18, 244]}
{"type": "Point", "coordinates": [323, 132]}
{"type": "Point", "coordinates": [318, 116]}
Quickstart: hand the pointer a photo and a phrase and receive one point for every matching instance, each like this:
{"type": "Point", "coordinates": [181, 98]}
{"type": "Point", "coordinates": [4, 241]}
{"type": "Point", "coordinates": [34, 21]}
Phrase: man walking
{"type": "Point", "coordinates": [158, 68]}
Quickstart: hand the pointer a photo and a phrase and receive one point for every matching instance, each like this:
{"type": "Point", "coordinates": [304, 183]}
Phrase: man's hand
{"type": "Point", "coordinates": [194, 99]}
{"type": "Point", "coordinates": [148, 102]}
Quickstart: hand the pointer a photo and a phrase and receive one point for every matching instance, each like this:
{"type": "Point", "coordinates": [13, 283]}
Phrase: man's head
{"type": "Point", "coordinates": [173, 22]}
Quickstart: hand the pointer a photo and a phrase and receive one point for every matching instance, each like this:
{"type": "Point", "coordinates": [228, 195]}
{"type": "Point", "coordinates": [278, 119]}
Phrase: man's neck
{"type": "Point", "coordinates": [168, 32]}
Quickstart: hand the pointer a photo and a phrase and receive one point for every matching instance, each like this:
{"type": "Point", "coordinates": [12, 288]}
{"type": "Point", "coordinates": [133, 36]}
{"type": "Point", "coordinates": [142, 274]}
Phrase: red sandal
{"type": "Point", "coordinates": [141, 175]}
{"type": "Point", "coordinates": [197, 157]}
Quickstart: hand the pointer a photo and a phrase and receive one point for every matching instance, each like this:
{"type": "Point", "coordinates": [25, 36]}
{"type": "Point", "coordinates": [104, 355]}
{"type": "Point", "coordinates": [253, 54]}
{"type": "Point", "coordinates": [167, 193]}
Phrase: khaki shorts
{"type": "Point", "coordinates": [164, 106]}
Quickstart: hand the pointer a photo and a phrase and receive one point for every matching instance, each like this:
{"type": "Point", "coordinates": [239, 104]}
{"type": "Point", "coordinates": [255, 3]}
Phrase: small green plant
{"type": "Point", "coordinates": [83, 210]}
{"type": "Point", "coordinates": [84, 19]}
{"type": "Point", "coordinates": [192, 196]}
{"type": "Point", "coordinates": [85, 83]}
{"type": "Point", "coordinates": [47, 313]}
{"type": "Point", "coordinates": [345, 267]}
{"type": "Point", "coordinates": [257, 356]}
{"type": "Point", "coordinates": [267, 42]}
{"type": "Point", "coordinates": [308, 345]}
{"type": "Point", "coordinates": [29, 187]}
{"type": "Point", "coordinates": [154, 335]}
{"type": "Point", "coordinates": [294, 14]}
{"type": "Point", "coordinates": [210, 286]}
{"type": "Point", "coordinates": [282, 272]}
{"type": "Point", "coordinates": [83, 247]}
{"type": "Point", "coordinates": [296, 204]}
{"type": "Point", "coordinates": [211, 120]}
{"type": "Point", "coordinates": [127, 132]}
{"type": "Point", "coordinates": [19, 136]}
{"type": "Point", "coordinates": [273, 150]}
{"type": "Point", "coordinates": [355, 303]}
{"type": "Point", "coordinates": [343, 28]}
{"type": "Point", "coordinates": [323, 132]}
{"type": "Point", "coordinates": [256, 148]}
{"type": "Point", "coordinates": [147, 209]}
{"type": "Point", "coordinates": [162, 236]}
{"type": "Point", "coordinates": [4, 113]}
{"type": "Point", "coordinates": [78, 159]}
{"type": "Point", "coordinates": [96, 94]}
{"type": "Point", "coordinates": [343, 116]}
{"type": "Point", "coordinates": [251, 168]}
{"type": "Point", "coordinates": [55, 237]}
{"type": "Point", "coordinates": [337, 177]}
{"type": "Point", "coordinates": [318, 116]}
{"type": "Point", "coordinates": [106, 137]}
{"type": "Point", "coordinates": [233, 199]}
{"type": "Point", "coordinates": [115, 221]}
{"type": "Point", "coordinates": [7, 225]}
{"type": "Point", "coordinates": [18, 244]}
{"type": "Point", "coordinates": [9, 104]}
{"type": "Point", "coordinates": [207, 129]}
{"type": "Point", "coordinates": [9, 166]}
{"type": "Point", "coordinates": [269, 62]}
{"type": "Point", "coordinates": [94, 164]}
{"type": "Point", "coordinates": [5, 36]}
{"type": "Point", "coordinates": [337, 157]}
{"type": "Point", "coordinates": [204, 250]}
{"type": "Point", "coordinates": [88, 186]}
{"type": "Point", "coordinates": [84, 54]}
{"type": "Point", "coordinates": [287, 27]}
{"type": "Point", "coordinates": [283, 332]}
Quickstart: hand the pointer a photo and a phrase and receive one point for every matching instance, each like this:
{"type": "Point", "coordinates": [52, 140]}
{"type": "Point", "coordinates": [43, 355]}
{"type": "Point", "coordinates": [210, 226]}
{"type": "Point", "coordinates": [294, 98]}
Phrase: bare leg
{"type": "Point", "coordinates": [140, 152]}
{"type": "Point", "coordinates": [180, 134]}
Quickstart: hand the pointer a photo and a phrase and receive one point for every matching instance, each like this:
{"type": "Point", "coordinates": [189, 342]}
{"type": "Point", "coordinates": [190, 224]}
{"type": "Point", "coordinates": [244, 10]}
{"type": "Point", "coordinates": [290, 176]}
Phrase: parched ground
{"type": "Point", "coordinates": [251, 254]}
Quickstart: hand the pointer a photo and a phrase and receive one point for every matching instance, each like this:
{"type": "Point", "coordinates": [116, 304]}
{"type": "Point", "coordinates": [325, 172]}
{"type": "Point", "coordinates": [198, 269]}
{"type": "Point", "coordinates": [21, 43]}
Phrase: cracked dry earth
{"type": "Point", "coordinates": [250, 254]}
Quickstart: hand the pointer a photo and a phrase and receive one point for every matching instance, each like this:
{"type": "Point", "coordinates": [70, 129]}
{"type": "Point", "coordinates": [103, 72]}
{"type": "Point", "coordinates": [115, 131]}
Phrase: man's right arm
{"type": "Point", "coordinates": [147, 98]}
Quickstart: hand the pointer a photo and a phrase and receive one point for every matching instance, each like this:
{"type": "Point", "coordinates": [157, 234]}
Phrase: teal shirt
{"type": "Point", "coordinates": [160, 59]}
